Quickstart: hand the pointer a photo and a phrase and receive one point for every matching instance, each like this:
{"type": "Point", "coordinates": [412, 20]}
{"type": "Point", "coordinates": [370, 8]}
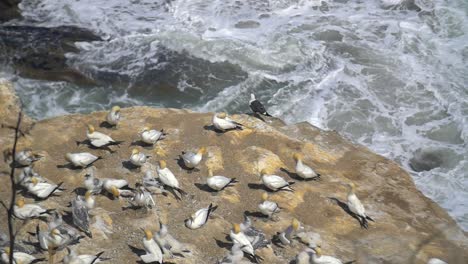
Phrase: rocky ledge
{"type": "Point", "coordinates": [408, 227]}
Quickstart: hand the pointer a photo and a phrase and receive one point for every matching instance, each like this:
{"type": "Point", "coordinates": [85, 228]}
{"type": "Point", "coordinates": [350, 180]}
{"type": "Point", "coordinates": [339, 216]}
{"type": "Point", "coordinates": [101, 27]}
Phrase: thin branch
{"type": "Point", "coordinates": [12, 233]}
{"type": "Point", "coordinates": [4, 205]}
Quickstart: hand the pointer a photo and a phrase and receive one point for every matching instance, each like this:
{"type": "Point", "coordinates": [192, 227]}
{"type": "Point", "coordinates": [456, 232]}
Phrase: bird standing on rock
{"type": "Point", "coordinates": [81, 160]}
{"type": "Point", "coordinates": [26, 157]}
{"type": "Point", "coordinates": [153, 251]}
{"type": "Point", "coordinates": [191, 159]}
{"type": "Point", "coordinates": [200, 217]}
{"type": "Point", "coordinates": [223, 123]}
{"type": "Point", "coordinates": [168, 178]}
{"type": "Point", "coordinates": [257, 107]}
{"type": "Point", "coordinates": [356, 207]}
{"type": "Point", "coordinates": [302, 170]}
{"type": "Point", "coordinates": [286, 236]}
{"type": "Point", "coordinates": [218, 183]}
{"type": "Point", "coordinates": [98, 139]}
{"type": "Point", "coordinates": [268, 208]}
{"type": "Point", "coordinates": [113, 117]}
{"type": "Point", "coordinates": [151, 136]}
{"type": "Point", "coordinates": [274, 182]}
{"type": "Point", "coordinates": [138, 158]}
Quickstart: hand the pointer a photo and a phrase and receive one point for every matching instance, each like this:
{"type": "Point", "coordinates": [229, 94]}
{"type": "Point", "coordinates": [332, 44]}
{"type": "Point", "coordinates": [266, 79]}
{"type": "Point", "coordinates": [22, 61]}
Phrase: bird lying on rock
{"type": "Point", "coordinates": [200, 217]}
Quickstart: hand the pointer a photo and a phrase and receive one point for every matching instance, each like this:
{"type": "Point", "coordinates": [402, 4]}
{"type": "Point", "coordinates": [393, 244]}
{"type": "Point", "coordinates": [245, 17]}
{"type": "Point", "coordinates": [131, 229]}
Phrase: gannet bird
{"type": "Point", "coordinates": [18, 257]}
{"type": "Point", "coordinates": [238, 237]}
{"type": "Point", "coordinates": [256, 106]}
{"type": "Point", "coordinates": [268, 208]}
{"type": "Point", "coordinates": [113, 117]}
{"type": "Point", "coordinates": [74, 258]}
{"type": "Point", "coordinates": [81, 160]}
{"type": "Point", "coordinates": [92, 183]}
{"type": "Point", "coordinates": [80, 214]}
{"type": "Point", "coordinates": [55, 239]}
{"type": "Point", "coordinates": [89, 200]}
{"type": "Point", "coordinates": [436, 261]}
{"type": "Point", "coordinates": [168, 243]}
{"type": "Point", "coordinates": [256, 237]}
{"type": "Point", "coordinates": [191, 160]}
{"type": "Point", "coordinates": [167, 177]}
{"type": "Point", "coordinates": [26, 211]}
{"type": "Point", "coordinates": [223, 123]}
{"type": "Point", "coordinates": [356, 207]}
{"type": "Point", "coordinates": [311, 239]}
{"type": "Point", "coordinates": [151, 136]}
{"type": "Point", "coordinates": [302, 170]}
{"type": "Point", "coordinates": [26, 157]}
{"type": "Point", "coordinates": [318, 258]}
{"type": "Point", "coordinates": [111, 185]}
{"type": "Point", "coordinates": [142, 198]}
{"type": "Point", "coordinates": [235, 256]}
{"type": "Point", "coordinates": [274, 182]}
{"type": "Point", "coordinates": [305, 256]}
{"type": "Point", "coordinates": [25, 176]}
{"type": "Point", "coordinates": [42, 190]}
{"type": "Point", "coordinates": [286, 236]}
{"type": "Point", "coordinates": [98, 139]}
{"type": "Point", "coordinates": [151, 184]}
{"type": "Point", "coordinates": [200, 217]}
{"type": "Point", "coordinates": [218, 183]}
{"type": "Point", "coordinates": [138, 158]}
{"type": "Point", "coordinates": [153, 251]}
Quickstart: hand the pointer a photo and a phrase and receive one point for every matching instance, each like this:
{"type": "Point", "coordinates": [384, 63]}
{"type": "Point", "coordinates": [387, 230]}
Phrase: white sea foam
{"type": "Point", "coordinates": [382, 74]}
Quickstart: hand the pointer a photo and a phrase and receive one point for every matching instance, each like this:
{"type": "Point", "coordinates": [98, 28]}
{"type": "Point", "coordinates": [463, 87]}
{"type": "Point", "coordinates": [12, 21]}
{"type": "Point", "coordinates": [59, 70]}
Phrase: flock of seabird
{"type": "Point", "coordinates": [161, 245]}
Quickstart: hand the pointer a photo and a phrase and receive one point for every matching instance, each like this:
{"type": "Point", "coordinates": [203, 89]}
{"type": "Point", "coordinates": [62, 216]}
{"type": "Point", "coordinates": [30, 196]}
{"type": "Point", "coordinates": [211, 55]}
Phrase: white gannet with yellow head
{"type": "Point", "coordinates": [238, 237]}
{"type": "Point", "coordinates": [356, 207]}
{"type": "Point", "coordinates": [168, 178]}
{"type": "Point", "coordinates": [113, 117]}
{"type": "Point", "coordinates": [302, 170]}
{"type": "Point", "coordinates": [26, 157]}
{"type": "Point", "coordinates": [275, 182]}
{"type": "Point", "coordinates": [74, 258]}
{"type": "Point", "coordinates": [191, 159]}
{"type": "Point", "coordinates": [218, 183]}
{"type": "Point", "coordinates": [89, 200]}
{"type": "Point", "coordinates": [168, 243]}
{"type": "Point", "coordinates": [81, 160]}
{"type": "Point", "coordinates": [318, 258]}
{"type": "Point", "coordinates": [200, 217]}
{"type": "Point", "coordinates": [18, 257]}
{"type": "Point", "coordinates": [267, 207]}
{"type": "Point", "coordinates": [138, 158]}
{"type": "Point", "coordinates": [98, 139]}
{"type": "Point", "coordinates": [286, 236]}
{"type": "Point", "coordinates": [113, 186]}
{"type": "Point", "coordinates": [222, 122]}
{"type": "Point", "coordinates": [151, 136]}
{"type": "Point", "coordinates": [153, 251]}
{"type": "Point", "coordinates": [25, 211]}
{"type": "Point", "coordinates": [42, 189]}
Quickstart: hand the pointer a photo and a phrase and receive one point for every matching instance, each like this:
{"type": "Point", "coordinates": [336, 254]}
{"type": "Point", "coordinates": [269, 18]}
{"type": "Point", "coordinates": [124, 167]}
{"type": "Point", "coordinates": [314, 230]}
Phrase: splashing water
{"type": "Point", "coordinates": [391, 77]}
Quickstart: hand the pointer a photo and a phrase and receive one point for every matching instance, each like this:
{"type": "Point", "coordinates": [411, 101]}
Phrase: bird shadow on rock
{"type": "Point", "coordinates": [69, 166]}
{"type": "Point", "coordinates": [129, 166]}
{"type": "Point", "coordinates": [137, 251]}
{"type": "Point", "coordinates": [105, 124]}
{"type": "Point", "coordinates": [212, 128]}
{"type": "Point", "coordinates": [345, 208]}
{"type": "Point", "coordinates": [223, 244]}
{"type": "Point", "coordinates": [204, 187]}
{"type": "Point", "coordinates": [255, 214]}
{"type": "Point", "coordinates": [256, 116]}
{"type": "Point", "coordinates": [141, 144]}
{"type": "Point", "coordinates": [257, 186]}
{"type": "Point", "coordinates": [295, 176]}
{"type": "Point", "coordinates": [181, 163]}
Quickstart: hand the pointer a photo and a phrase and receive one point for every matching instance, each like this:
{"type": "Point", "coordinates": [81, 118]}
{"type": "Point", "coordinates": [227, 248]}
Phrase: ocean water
{"type": "Point", "coordinates": [389, 74]}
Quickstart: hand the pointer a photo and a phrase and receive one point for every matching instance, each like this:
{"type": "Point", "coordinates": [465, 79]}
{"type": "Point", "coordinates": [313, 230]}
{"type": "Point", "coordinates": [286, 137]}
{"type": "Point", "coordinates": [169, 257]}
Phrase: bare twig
{"type": "Point", "coordinates": [10, 210]}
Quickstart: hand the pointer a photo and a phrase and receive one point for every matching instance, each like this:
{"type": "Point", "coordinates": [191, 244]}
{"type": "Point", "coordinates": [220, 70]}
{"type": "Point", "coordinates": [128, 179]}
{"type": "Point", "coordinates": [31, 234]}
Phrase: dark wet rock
{"type": "Point", "coordinates": [329, 35]}
{"type": "Point", "coordinates": [39, 52]}
{"type": "Point", "coordinates": [247, 24]}
{"type": "Point", "coordinates": [425, 160]}
{"type": "Point", "coordinates": [9, 10]}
